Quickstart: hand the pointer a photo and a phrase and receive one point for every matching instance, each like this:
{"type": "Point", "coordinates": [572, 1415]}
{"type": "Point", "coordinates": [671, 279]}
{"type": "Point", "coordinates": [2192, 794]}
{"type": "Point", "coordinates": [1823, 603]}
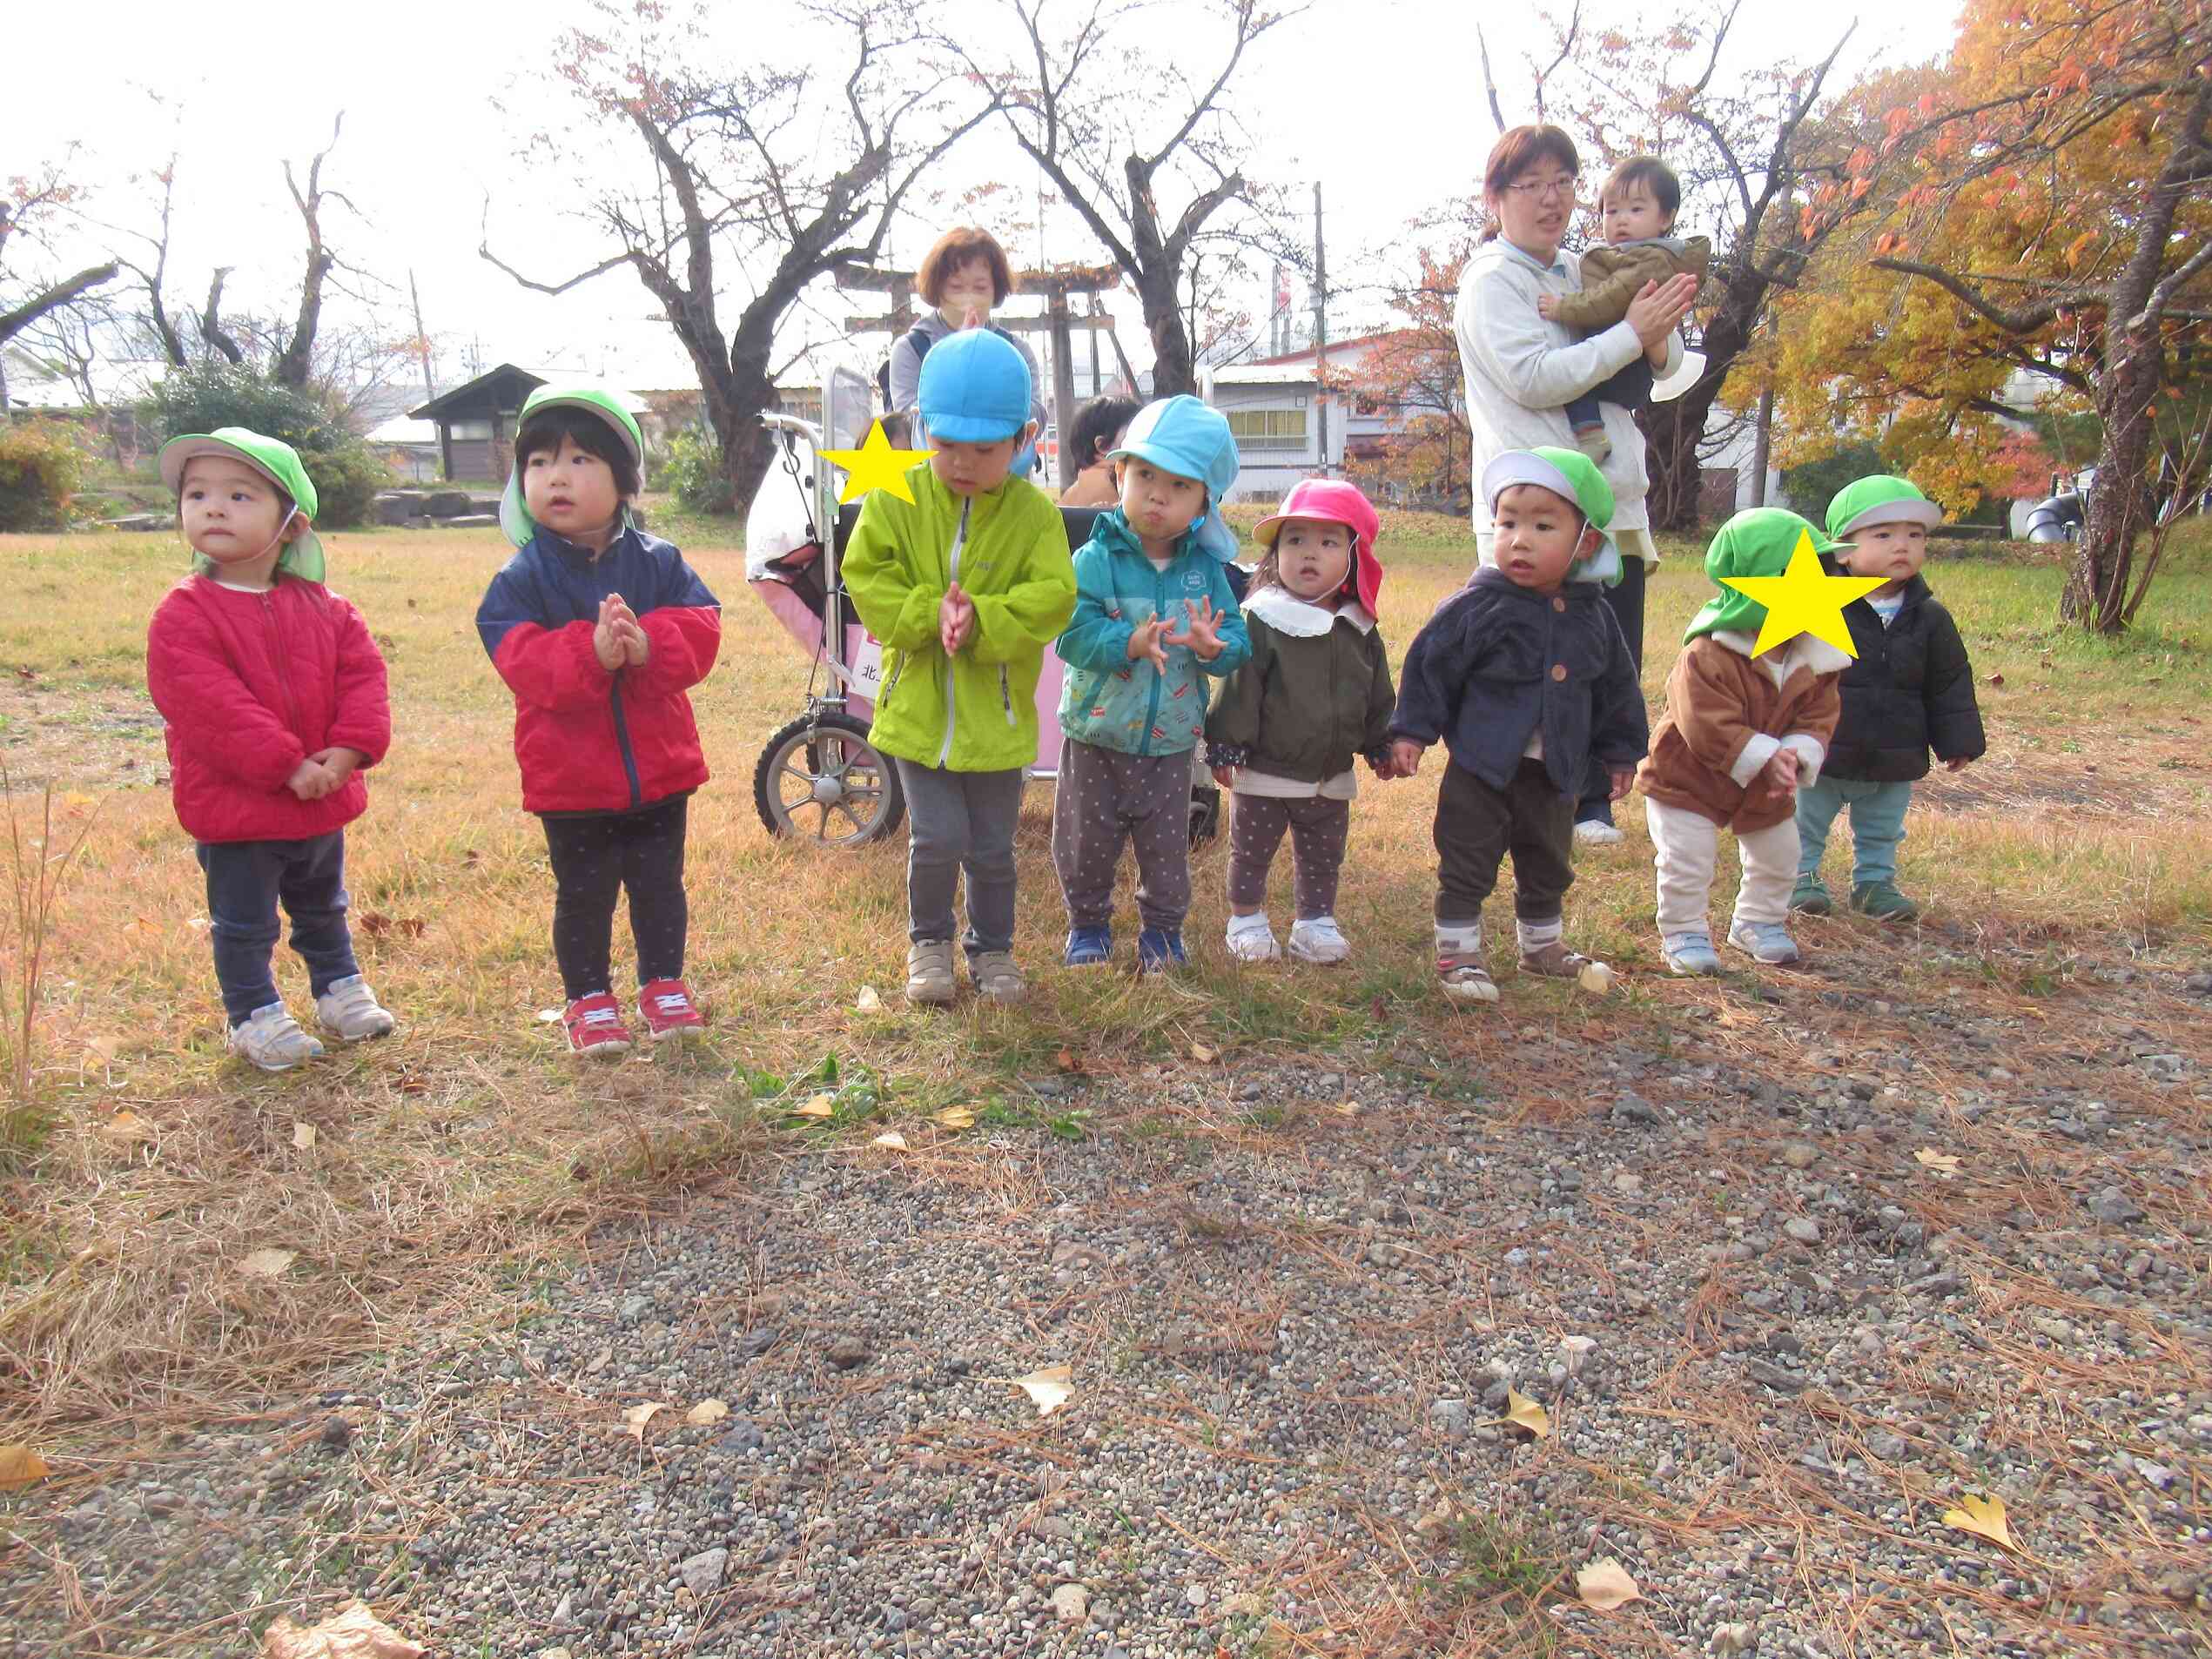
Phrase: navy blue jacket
{"type": "Point", "coordinates": [588, 741]}
{"type": "Point", "coordinates": [1497, 661]}
{"type": "Point", "coordinates": [1909, 689]}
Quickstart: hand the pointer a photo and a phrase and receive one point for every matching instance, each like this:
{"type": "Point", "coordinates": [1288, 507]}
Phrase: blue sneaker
{"type": "Point", "coordinates": [1089, 947]}
{"type": "Point", "coordinates": [1767, 942]}
{"type": "Point", "coordinates": [1159, 950]}
{"type": "Point", "coordinates": [1689, 953]}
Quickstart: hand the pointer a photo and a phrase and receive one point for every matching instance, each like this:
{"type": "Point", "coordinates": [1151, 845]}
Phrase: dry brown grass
{"type": "Point", "coordinates": [450, 1159]}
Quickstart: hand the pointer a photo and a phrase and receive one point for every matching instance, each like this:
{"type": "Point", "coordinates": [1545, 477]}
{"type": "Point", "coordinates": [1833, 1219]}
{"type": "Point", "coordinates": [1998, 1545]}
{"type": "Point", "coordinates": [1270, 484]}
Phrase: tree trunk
{"type": "Point", "coordinates": [1173, 371]}
{"type": "Point", "coordinates": [2119, 506]}
{"type": "Point", "coordinates": [1671, 430]}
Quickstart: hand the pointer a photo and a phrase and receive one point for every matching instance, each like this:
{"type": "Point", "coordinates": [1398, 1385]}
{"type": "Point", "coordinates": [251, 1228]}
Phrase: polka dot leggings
{"type": "Point", "coordinates": [1318, 829]}
{"type": "Point", "coordinates": [593, 859]}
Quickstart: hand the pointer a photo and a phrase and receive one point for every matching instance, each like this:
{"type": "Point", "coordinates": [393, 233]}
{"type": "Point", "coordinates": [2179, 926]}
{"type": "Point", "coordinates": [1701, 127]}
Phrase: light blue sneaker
{"type": "Point", "coordinates": [1689, 953]}
{"type": "Point", "coordinates": [1767, 942]}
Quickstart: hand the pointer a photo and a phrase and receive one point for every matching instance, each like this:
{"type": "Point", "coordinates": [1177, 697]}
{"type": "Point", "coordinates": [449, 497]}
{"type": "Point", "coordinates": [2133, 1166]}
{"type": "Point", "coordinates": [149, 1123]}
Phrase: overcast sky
{"type": "Point", "coordinates": [1379, 100]}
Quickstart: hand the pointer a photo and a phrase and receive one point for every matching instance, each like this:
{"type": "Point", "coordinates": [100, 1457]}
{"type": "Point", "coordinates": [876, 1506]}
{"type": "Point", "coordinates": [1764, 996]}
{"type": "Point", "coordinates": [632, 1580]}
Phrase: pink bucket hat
{"type": "Point", "coordinates": [1340, 503]}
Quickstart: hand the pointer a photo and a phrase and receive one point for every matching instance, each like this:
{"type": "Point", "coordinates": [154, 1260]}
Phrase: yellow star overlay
{"type": "Point", "coordinates": [876, 466]}
{"type": "Point", "coordinates": [1804, 598]}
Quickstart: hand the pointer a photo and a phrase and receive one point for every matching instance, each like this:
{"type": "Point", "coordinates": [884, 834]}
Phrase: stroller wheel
{"type": "Point", "coordinates": [1206, 813]}
{"type": "Point", "coordinates": [818, 778]}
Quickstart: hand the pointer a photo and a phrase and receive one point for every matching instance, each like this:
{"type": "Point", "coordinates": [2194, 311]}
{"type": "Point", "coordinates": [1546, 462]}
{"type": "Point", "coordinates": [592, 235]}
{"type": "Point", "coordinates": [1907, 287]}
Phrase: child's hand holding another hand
{"type": "Point", "coordinates": [1780, 772]}
{"type": "Point", "coordinates": [1547, 306]}
{"type": "Point", "coordinates": [1405, 758]}
{"type": "Point", "coordinates": [1957, 764]}
{"type": "Point", "coordinates": [339, 762]}
{"type": "Point", "coordinates": [956, 620]}
{"type": "Point", "coordinates": [311, 780]}
{"type": "Point", "coordinates": [1623, 779]}
{"type": "Point", "coordinates": [1225, 776]}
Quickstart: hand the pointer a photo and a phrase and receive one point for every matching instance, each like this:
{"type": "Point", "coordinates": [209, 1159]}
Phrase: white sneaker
{"type": "Point", "coordinates": [349, 1010]}
{"type": "Point", "coordinates": [1251, 939]}
{"type": "Point", "coordinates": [1595, 832]}
{"type": "Point", "coordinates": [271, 1039]}
{"type": "Point", "coordinates": [1319, 941]}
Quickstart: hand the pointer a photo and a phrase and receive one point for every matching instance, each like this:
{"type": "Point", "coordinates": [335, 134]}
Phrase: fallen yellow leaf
{"type": "Point", "coordinates": [1946, 1165]}
{"type": "Point", "coordinates": [1604, 1584]}
{"type": "Point", "coordinates": [867, 1001]}
{"type": "Point", "coordinates": [821, 1106]}
{"type": "Point", "coordinates": [19, 1467]}
{"type": "Point", "coordinates": [1346, 1108]}
{"type": "Point", "coordinates": [1524, 1412]}
{"type": "Point", "coordinates": [123, 1127]}
{"type": "Point", "coordinates": [637, 1417]}
{"type": "Point", "coordinates": [303, 1137]}
{"type": "Point", "coordinates": [352, 1632]}
{"type": "Point", "coordinates": [955, 1117]}
{"type": "Point", "coordinates": [1595, 978]}
{"type": "Point", "coordinates": [1051, 1388]}
{"type": "Point", "coordinates": [267, 1263]}
{"type": "Point", "coordinates": [1203, 1055]}
{"type": "Point", "coordinates": [706, 1412]}
{"type": "Point", "coordinates": [1984, 1517]}
{"type": "Point", "coordinates": [891, 1138]}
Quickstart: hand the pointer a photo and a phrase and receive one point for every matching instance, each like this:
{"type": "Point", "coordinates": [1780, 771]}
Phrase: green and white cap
{"type": "Point", "coordinates": [514, 513]}
{"type": "Point", "coordinates": [1883, 499]}
{"type": "Point", "coordinates": [276, 460]}
{"type": "Point", "coordinates": [1572, 476]}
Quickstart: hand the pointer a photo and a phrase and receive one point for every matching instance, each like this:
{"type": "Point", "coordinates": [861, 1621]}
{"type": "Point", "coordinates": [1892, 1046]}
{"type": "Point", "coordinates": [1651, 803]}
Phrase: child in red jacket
{"type": "Point", "coordinates": [275, 700]}
{"type": "Point", "coordinates": [599, 630]}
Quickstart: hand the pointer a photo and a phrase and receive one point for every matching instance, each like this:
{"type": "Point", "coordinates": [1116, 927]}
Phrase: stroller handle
{"type": "Point", "coordinates": [776, 422]}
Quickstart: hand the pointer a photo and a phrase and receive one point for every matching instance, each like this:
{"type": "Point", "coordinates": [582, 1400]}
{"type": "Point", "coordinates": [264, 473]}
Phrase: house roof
{"type": "Point", "coordinates": [470, 391]}
{"type": "Point", "coordinates": [403, 429]}
{"type": "Point", "coordinates": [1266, 375]}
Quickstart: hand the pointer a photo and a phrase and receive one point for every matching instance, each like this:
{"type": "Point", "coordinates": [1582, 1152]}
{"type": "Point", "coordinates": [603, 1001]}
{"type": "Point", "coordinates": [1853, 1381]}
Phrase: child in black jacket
{"type": "Point", "coordinates": [1525, 676]}
{"type": "Point", "coordinates": [1910, 690]}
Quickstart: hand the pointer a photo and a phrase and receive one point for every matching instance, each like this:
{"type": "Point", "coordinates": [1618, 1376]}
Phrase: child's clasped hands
{"type": "Point", "coordinates": [617, 639]}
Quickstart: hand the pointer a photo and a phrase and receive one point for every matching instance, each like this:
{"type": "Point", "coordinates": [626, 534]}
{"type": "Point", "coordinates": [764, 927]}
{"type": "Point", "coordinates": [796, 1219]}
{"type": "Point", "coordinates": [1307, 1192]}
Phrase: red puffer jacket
{"type": "Point", "coordinates": [586, 740]}
{"type": "Point", "coordinates": [251, 685]}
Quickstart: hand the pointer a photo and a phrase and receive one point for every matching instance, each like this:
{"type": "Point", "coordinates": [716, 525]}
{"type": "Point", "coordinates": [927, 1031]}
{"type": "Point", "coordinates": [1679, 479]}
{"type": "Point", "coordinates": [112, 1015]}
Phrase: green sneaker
{"type": "Point", "coordinates": [1883, 902]}
{"type": "Point", "coordinates": [1811, 896]}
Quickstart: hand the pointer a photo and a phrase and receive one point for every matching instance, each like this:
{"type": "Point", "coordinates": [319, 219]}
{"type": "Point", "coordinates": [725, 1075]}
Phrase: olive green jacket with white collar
{"type": "Point", "coordinates": [975, 712]}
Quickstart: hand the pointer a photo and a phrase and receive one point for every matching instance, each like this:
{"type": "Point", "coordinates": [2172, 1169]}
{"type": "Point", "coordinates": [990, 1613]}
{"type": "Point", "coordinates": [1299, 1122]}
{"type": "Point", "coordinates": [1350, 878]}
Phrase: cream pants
{"type": "Point", "coordinates": [1688, 846]}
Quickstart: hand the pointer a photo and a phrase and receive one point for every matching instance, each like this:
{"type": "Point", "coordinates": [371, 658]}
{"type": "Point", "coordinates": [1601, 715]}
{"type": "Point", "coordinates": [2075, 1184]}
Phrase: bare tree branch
{"type": "Point", "coordinates": [65, 292]}
{"type": "Point", "coordinates": [1489, 81]}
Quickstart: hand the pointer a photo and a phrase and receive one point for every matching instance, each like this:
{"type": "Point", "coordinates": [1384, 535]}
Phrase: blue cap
{"type": "Point", "coordinates": [1183, 436]}
{"type": "Point", "coordinates": [974, 389]}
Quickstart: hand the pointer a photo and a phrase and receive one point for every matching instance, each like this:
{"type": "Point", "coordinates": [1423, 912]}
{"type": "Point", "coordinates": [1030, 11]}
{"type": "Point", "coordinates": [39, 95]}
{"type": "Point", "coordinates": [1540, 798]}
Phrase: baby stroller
{"type": "Point", "coordinates": [819, 777]}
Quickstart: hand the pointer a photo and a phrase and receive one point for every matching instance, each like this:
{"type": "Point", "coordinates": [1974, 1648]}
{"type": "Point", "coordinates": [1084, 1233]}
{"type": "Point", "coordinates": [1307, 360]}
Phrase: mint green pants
{"type": "Point", "coordinates": [1877, 826]}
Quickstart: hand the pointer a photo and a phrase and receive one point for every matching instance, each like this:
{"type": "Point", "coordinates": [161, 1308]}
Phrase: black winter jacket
{"type": "Point", "coordinates": [1498, 661]}
{"type": "Point", "coordinates": [1303, 708]}
{"type": "Point", "coordinates": [1911, 689]}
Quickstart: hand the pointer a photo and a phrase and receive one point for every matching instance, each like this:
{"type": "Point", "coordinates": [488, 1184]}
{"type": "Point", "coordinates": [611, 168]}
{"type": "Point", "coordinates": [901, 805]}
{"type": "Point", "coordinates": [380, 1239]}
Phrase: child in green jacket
{"type": "Point", "coordinates": [964, 586]}
{"type": "Point", "coordinates": [1154, 618]}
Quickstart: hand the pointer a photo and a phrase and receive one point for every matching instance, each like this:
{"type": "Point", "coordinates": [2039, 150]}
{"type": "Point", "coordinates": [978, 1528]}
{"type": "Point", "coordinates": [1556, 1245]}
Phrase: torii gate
{"type": "Point", "coordinates": [1059, 321]}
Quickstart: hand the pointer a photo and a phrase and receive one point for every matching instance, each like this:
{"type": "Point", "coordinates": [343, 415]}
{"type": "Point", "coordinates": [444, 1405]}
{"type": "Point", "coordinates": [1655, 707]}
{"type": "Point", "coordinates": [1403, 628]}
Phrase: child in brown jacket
{"type": "Point", "coordinates": [1637, 204]}
{"type": "Point", "coordinates": [1740, 735]}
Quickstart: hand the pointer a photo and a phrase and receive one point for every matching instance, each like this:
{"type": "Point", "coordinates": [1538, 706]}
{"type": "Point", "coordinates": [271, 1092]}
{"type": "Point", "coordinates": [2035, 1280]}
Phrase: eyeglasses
{"type": "Point", "coordinates": [1546, 189]}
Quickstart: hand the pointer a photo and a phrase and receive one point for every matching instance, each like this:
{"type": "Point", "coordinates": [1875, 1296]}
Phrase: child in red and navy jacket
{"type": "Point", "coordinates": [275, 699]}
{"type": "Point", "coordinates": [599, 630]}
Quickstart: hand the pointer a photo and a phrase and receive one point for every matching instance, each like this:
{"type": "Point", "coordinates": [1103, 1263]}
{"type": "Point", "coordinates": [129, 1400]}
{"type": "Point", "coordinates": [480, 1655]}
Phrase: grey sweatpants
{"type": "Point", "coordinates": [959, 821]}
{"type": "Point", "coordinates": [1105, 798]}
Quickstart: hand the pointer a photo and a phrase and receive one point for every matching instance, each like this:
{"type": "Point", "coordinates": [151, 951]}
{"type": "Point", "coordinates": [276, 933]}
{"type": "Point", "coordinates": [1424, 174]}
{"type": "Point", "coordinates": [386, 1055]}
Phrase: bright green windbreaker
{"type": "Point", "coordinates": [977, 712]}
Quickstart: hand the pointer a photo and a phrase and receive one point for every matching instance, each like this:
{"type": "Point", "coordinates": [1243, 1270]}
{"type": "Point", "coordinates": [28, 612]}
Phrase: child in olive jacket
{"type": "Point", "coordinates": [966, 584]}
{"type": "Point", "coordinates": [1909, 689]}
{"type": "Point", "coordinates": [1314, 695]}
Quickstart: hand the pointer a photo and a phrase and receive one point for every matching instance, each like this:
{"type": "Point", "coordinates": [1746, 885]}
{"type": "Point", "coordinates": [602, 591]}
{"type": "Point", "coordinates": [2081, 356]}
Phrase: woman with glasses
{"type": "Point", "coordinates": [1522, 369]}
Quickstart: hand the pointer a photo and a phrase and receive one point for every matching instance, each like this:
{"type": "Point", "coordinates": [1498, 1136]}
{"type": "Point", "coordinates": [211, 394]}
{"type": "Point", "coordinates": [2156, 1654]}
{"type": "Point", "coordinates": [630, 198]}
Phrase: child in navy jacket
{"type": "Point", "coordinates": [599, 630]}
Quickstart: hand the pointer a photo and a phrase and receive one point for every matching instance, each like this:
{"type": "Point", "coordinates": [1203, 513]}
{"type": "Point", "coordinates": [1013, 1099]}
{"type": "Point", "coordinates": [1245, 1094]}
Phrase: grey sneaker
{"type": "Point", "coordinates": [1767, 942]}
{"type": "Point", "coordinates": [271, 1039]}
{"type": "Point", "coordinates": [349, 1010]}
{"type": "Point", "coordinates": [995, 976]}
{"type": "Point", "coordinates": [929, 973]}
{"type": "Point", "coordinates": [1689, 953]}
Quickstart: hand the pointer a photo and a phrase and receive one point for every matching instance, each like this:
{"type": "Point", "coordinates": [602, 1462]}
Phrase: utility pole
{"type": "Point", "coordinates": [1761, 447]}
{"type": "Point", "coordinates": [1320, 331]}
{"type": "Point", "coordinates": [421, 336]}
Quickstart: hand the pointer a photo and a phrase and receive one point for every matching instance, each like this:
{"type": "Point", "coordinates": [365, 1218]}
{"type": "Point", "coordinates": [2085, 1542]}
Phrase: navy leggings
{"type": "Point", "coordinates": [594, 859]}
{"type": "Point", "coordinates": [245, 881]}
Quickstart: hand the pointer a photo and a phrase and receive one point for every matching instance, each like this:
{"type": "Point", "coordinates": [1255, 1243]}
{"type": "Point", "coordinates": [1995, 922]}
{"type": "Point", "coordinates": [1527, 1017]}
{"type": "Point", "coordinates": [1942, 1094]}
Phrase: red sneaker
{"type": "Point", "coordinates": [667, 1008]}
{"type": "Point", "coordinates": [594, 1027]}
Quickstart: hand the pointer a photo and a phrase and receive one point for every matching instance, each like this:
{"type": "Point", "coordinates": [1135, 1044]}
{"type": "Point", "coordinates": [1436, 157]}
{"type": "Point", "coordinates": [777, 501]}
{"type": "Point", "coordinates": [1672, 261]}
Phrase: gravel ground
{"type": "Point", "coordinates": [1775, 1345]}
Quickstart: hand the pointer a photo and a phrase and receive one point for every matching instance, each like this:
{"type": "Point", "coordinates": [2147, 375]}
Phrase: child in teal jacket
{"type": "Point", "coordinates": [1155, 617]}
